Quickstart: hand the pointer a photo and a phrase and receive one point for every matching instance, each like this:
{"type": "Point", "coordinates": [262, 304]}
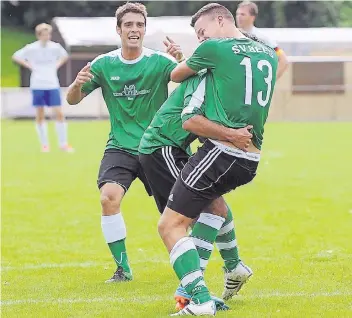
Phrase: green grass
{"type": "Point", "coordinates": [11, 41]}
{"type": "Point", "coordinates": [293, 225]}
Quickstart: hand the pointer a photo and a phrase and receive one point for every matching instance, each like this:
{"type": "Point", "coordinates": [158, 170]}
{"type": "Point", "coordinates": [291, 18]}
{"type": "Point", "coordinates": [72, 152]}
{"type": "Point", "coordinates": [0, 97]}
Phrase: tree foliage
{"type": "Point", "coordinates": [271, 13]}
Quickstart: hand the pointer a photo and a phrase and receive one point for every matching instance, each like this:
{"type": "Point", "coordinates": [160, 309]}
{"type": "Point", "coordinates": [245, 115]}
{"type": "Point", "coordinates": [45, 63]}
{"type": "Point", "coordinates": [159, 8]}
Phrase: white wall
{"type": "Point", "coordinates": [17, 102]}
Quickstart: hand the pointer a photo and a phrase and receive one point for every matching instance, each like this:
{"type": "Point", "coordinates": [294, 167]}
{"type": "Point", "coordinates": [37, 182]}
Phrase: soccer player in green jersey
{"type": "Point", "coordinates": [244, 73]}
{"type": "Point", "coordinates": [134, 82]}
{"type": "Point", "coordinates": [164, 150]}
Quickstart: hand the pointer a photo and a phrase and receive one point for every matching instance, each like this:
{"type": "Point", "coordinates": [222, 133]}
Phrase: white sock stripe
{"type": "Point", "coordinates": [212, 220]}
{"type": "Point", "coordinates": [203, 263]}
{"type": "Point", "coordinates": [227, 245]}
{"type": "Point", "coordinates": [208, 164]}
{"type": "Point", "coordinates": [198, 168]}
{"type": "Point", "coordinates": [184, 245]}
{"type": "Point", "coordinates": [203, 244]}
{"type": "Point", "coordinates": [113, 227]}
{"type": "Point", "coordinates": [226, 229]}
{"type": "Point", "coordinates": [171, 168]}
{"type": "Point", "coordinates": [191, 277]}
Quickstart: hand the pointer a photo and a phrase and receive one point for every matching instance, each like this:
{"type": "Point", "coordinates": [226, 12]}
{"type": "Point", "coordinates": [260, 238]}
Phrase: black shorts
{"type": "Point", "coordinates": [121, 167]}
{"type": "Point", "coordinates": [162, 168]}
{"type": "Point", "coordinates": [213, 171]}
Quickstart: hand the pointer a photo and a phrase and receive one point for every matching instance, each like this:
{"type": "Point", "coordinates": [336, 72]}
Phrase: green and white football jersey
{"type": "Point", "coordinates": [133, 91]}
{"type": "Point", "coordinates": [244, 74]}
{"type": "Point", "coordinates": [187, 100]}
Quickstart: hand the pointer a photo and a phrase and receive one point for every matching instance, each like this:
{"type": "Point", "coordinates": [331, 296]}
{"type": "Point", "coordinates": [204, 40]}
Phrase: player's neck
{"type": "Point", "coordinates": [43, 43]}
{"type": "Point", "coordinates": [230, 31]}
{"type": "Point", "coordinates": [131, 53]}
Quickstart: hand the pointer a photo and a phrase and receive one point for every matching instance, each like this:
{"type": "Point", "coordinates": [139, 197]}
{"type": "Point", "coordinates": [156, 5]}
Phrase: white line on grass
{"type": "Point", "coordinates": [148, 299]}
{"type": "Point", "coordinates": [74, 265]}
{"type": "Point", "coordinates": [155, 261]}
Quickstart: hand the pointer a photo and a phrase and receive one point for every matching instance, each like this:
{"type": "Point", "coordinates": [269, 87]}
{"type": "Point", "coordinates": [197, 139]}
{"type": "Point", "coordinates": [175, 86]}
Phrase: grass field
{"type": "Point", "coordinates": [293, 225]}
{"type": "Point", "coordinates": [11, 41]}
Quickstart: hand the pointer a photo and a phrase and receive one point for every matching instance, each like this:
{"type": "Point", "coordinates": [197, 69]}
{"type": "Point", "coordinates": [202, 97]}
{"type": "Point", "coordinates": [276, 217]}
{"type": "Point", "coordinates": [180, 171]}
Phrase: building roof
{"type": "Point", "coordinates": [90, 32]}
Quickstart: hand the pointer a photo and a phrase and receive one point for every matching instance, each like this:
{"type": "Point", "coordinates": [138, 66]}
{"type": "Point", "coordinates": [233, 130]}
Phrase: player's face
{"type": "Point", "coordinates": [44, 36]}
{"type": "Point", "coordinates": [132, 30]}
{"type": "Point", "coordinates": [208, 27]}
{"type": "Point", "coordinates": [243, 18]}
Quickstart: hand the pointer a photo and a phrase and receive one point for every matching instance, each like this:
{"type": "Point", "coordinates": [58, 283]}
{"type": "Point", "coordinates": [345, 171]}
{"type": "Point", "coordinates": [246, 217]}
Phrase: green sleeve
{"type": "Point", "coordinates": [205, 56]}
{"type": "Point", "coordinates": [194, 97]}
{"type": "Point", "coordinates": [168, 63]}
{"type": "Point", "coordinates": [95, 69]}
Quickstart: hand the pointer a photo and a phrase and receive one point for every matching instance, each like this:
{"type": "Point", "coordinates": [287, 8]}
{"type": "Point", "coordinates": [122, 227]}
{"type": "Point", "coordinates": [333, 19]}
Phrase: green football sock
{"type": "Point", "coordinates": [227, 244]}
{"type": "Point", "coordinates": [118, 250]}
{"type": "Point", "coordinates": [204, 234]}
{"type": "Point", "coordinates": [185, 261]}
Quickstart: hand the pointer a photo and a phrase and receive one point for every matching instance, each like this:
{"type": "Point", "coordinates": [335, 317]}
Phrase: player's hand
{"type": "Point", "coordinates": [173, 49]}
{"type": "Point", "coordinates": [84, 76]}
{"type": "Point", "coordinates": [241, 137]}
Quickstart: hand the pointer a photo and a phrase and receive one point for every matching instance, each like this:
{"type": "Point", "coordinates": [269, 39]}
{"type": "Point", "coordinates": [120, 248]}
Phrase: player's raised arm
{"type": "Point", "coordinates": [204, 57]}
{"type": "Point", "coordinates": [75, 94]}
{"type": "Point", "coordinates": [174, 49]}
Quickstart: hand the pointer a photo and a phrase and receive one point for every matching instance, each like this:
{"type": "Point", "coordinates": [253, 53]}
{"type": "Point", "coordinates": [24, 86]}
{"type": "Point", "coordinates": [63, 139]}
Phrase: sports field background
{"type": "Point", "coordinates": [293, 226]}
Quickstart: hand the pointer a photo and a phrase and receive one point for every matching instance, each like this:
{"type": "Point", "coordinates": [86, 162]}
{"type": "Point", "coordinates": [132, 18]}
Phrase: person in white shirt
{"type": "Point", "coordinates": [246, 14]}
{"type": "Point", "coordinates": [43, 58]}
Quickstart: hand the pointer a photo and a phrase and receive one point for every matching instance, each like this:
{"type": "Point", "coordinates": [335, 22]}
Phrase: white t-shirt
{"type": "Point", "coordinates": [261, 36]}
{"type": "Point", "coordinates": [43, 60]}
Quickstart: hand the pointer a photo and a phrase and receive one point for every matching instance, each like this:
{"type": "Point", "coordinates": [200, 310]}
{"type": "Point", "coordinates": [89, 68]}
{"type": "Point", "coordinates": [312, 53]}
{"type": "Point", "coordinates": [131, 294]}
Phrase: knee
{"type": "Point", "coordinates": [40, 115]}
{"type": "Point", "coordinates": [162, 227]}
{"type": "Point", "coordinates": [219, 207]}
{"type": "Point", "coordinates": [110, 203]}
{"type": "Point", "coordinates": [60, 116]}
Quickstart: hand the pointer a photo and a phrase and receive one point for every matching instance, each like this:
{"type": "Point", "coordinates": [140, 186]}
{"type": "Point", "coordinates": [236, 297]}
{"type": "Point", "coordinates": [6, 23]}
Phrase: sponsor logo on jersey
{"type": "Point", "coordinates": [114, 78]}
{"type": "Point", "coordinates": [130, 92]}
{"type": "Point", "coordinates": [171, 197]}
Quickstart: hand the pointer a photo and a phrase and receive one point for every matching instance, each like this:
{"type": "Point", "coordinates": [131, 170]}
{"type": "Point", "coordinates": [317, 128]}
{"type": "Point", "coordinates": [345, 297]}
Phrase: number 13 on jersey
{"type": "Point", "coordinates": [261, 66]}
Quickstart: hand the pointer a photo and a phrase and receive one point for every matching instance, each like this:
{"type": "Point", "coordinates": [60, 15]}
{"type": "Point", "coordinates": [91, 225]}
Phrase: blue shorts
{"type": "Point", "coordinates": [46, 97]}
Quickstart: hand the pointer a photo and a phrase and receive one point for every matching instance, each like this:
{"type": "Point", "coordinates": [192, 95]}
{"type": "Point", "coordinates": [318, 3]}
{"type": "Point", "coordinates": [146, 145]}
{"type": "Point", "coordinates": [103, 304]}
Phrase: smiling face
{"type": "Point", "coordinates": [208, 26]}
{"type": "Point", "coordinates": [132, 30]}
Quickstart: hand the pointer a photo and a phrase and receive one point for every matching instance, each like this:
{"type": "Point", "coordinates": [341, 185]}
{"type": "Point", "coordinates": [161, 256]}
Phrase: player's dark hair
{"type": "Point", "coordinates": [253, 8]}
{"type": "Point", "coordinates": [133, 7]}
{"type": "Point", "coordinates": [213, 9]}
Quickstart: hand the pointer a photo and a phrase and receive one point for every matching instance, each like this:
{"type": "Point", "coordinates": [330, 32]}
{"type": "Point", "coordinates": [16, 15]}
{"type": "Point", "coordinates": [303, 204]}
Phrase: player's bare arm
{"type": "Point", "coordinates": [283, 63]}
{"type": "Point", "coordinates": [75, 95]}
{"type": "Point", "coordinates": [22, 62]}
{"type": "Point", "coordinates": [61, 62]}
{"type": "Point", "coordinates": [181, 72]}
{"type": "Point", "coordinates": [203, 127]}
{"type": "Point", "coordinates": [174, 49]}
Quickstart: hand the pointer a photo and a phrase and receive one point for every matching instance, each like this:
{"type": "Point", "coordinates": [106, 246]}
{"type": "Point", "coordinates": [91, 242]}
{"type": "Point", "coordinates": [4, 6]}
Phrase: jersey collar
{"type": "Point", "coordinates": [119, 54]}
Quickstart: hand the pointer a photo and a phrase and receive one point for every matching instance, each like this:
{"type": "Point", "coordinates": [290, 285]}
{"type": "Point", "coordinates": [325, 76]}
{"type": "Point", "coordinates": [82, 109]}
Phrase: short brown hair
{"type": "Point", "coordinates": [134, 7]}
{"type": "Point", "coordinates": [43, 27]}
{"type": "Point", "coordinates": [253, 8]}
{"type": "Point", "coordinates": [212, 9]}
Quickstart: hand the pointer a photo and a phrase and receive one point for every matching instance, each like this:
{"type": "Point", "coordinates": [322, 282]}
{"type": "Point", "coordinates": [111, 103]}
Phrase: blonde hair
{"type": "Point", "coordinates": [43, 27]}
{"type": "Point", "coordinates": [253, 8]}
